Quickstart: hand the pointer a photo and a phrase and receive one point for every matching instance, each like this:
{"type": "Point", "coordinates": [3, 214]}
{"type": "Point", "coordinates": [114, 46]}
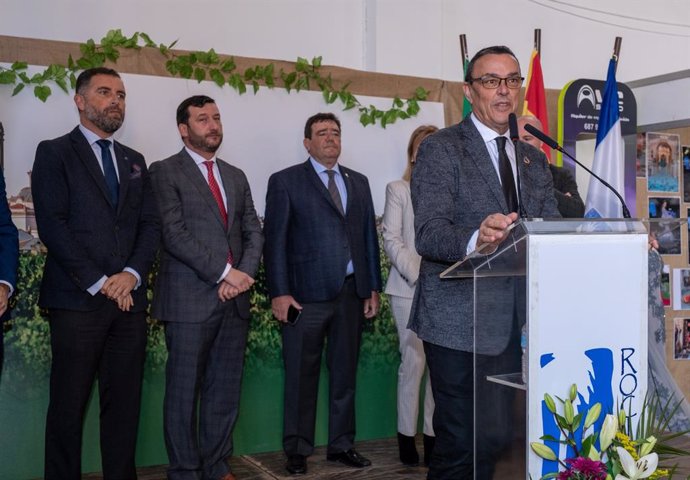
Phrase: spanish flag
{"type": "Point", "coordinates": [535, 97]}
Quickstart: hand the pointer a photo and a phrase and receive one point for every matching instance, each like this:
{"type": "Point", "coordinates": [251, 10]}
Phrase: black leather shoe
{"type": "Point", "coordinates": [429, 443]}
{"type": "Point", "coordinates": [407, 450]}
{"type": "Point", "coordinates": [350, 458]}
{"type": "Point", "coordinates": [296, 465]}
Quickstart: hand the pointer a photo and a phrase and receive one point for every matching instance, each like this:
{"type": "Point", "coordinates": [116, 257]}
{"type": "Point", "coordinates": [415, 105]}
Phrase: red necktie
{"type": "Point", "coordinates": [215, 191]}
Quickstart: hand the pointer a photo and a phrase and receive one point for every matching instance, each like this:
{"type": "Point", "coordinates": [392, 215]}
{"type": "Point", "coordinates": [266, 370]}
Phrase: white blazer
{"type": "Point", "coordinates": [398, 240]}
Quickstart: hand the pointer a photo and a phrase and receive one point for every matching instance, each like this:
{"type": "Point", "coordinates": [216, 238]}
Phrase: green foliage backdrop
{"type": "Point", "coordinates": [28, 333]}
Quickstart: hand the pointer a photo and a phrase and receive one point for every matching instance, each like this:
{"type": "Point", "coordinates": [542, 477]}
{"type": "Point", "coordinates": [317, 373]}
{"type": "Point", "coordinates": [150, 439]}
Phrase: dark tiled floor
{"type": "Point", "coordinates": [383, 454]}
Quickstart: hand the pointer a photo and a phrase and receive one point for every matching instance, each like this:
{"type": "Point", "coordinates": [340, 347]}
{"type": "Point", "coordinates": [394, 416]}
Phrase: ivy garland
{"type": "Point", "coordinates": [207, 66]}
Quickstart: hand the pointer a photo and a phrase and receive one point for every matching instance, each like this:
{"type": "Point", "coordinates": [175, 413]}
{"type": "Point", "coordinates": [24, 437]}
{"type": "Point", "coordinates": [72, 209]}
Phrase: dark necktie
{"type": "Point", "coordinates": [215, 191]}
{"type": "Point", "coordinates": [506, 173]}
{"type": "Point", "coordinates": [333, 190]}
{"type": "Point", "coordinates": [109, 171]}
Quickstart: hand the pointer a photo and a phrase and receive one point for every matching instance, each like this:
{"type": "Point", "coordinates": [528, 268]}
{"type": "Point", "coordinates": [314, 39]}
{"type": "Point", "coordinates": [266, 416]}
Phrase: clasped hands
{"type": "Point", "coordinates": [118, 288]}
{"type": "Point", "coordinates": [234, 283]}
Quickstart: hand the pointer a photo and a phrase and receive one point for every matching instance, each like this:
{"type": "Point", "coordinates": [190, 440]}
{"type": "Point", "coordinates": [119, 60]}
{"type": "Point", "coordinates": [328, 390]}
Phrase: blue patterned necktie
{"type": "Point", "coordinates": [109, 171]}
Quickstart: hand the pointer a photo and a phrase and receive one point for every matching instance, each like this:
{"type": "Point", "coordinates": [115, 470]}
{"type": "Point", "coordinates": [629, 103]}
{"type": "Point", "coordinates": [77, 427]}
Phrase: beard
{"type": "Point", "coordinates": [209, 143]}
{"type": "Point", "coordinates": [103, 118]}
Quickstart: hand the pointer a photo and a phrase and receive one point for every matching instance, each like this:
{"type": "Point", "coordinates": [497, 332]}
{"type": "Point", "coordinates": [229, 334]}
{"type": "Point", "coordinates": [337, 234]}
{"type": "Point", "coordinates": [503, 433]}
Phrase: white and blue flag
{"type": "Point", "coordinates": [609, 155]}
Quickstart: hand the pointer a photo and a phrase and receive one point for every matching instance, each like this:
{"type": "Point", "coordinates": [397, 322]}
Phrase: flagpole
{"type": "Point", "coordinates": [617, 49]}
{"type": "Point", "coordinates": [464, 57]}
{"type": "Point", "coordinates": [537, 40]}
{"type": "Point", "coordinates": [465, 60]}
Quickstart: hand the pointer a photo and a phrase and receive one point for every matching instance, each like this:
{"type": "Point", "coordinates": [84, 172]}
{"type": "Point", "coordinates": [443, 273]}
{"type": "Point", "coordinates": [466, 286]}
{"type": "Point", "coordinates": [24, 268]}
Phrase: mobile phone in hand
{"type": "Point", "coordinates": [293, 315]}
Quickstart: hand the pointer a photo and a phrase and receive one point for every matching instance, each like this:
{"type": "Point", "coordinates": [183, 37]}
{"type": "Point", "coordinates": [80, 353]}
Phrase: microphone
{"type": "Point", "coordinates": [552, 143]}
{"type": "Point", "coordinates": [514, 137]}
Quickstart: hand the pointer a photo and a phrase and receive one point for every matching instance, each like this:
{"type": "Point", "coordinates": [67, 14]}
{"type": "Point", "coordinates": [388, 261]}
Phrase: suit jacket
{"type": "Point", "coordinates": [85, 235]}
{"type": "Point", "coordinates": [309, 242]}
{"type": "Point", "coordinates": [454, 188]}
{"type": "Point", "coordinates": [9, 243]}
{"type": "Point", "coordinates": [563, 182]}
{"type": "Point", "coordinates": [195, 240]}
{"type": "Point", "coordinates": [398, 240]}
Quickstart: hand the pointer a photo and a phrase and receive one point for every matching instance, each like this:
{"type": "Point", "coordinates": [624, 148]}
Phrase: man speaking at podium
{"type": "Point", "coordinates": [465, 195]}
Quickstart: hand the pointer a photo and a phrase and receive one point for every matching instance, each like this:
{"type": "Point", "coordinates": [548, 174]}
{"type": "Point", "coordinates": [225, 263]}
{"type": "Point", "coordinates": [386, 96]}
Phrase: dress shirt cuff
{"type": "Point", "coordinates": [136, 275]}
{"type": "Point", "coordinates": [472, 244]}
{"type": "Point", "coordinates": [96, 287]}
{"type": "Point", "coordinates": [228, 267]}
{"type": "Point", "coordinates": [9, 285]}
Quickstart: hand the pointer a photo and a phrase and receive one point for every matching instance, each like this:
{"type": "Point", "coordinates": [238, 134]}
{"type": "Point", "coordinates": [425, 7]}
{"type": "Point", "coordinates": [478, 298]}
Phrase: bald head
{"type": "Point", "coordinates": [524, 135]}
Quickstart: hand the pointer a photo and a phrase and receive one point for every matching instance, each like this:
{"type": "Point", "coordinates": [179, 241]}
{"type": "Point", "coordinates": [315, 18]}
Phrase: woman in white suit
{"type": "Point", "coordinates": [398, 242]}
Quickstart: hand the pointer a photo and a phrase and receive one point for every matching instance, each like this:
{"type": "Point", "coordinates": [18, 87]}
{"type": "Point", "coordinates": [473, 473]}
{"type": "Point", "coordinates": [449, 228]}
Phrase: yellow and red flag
{"type": "Point", "coordinates": [535, 97]}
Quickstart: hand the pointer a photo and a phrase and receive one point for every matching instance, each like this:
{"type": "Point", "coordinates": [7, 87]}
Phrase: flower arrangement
{"type": "Point", "coordinates": [615, 452]}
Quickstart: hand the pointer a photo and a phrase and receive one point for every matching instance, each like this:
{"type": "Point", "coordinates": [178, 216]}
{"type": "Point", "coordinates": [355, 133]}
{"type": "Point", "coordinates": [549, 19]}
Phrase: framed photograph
{"type": "Point", "coordinates": [641, 158]}
{"type": "Point", "coordinates": [681, 338]}
{"type": "Point", "coordinates": [681, 288]}
{"type": "Point", "coordinates": [666, 233]}
{"type": "Point", "coordinates": [685, 152]}
{"type": "Point", "coordinates": [663, 162]}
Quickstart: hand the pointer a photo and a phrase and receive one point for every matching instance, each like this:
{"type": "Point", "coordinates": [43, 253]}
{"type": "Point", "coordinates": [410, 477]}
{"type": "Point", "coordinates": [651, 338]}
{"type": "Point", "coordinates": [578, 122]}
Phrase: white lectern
{"type": "Point", "coordinates": [580, 287]}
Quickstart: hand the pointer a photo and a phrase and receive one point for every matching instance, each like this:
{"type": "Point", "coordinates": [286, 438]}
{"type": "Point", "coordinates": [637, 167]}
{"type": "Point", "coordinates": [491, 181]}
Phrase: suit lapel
{"type": "Point", "coordinates": [124, 170]}
{"type": "Point", "coordinates": [88, 158]}
{"type": "Point", "coordinates": [476, 149]}
{"type": "Point", "coordinates": [349, 187]}
{"type": "Point", "coordinates": [315, 180]}
{"type": "Point", "coordinates": [190, 169]}
{"type": "Point", "coordinates": [229, 188]}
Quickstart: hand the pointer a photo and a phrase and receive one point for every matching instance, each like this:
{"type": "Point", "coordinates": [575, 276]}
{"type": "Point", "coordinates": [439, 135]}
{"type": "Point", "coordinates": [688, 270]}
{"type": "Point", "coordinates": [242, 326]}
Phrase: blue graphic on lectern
{"type": "Point", "coordinates": [600, 390]}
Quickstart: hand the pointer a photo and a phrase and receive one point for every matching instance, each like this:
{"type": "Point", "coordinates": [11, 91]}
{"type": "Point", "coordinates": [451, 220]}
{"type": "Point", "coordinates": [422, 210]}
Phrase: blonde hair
{"type": "Point", "coordinates": [416, 138]}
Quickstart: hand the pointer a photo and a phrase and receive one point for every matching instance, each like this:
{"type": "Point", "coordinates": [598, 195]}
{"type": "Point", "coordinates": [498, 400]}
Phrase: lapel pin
{"type": "Point", "coordinates": [526, 161]}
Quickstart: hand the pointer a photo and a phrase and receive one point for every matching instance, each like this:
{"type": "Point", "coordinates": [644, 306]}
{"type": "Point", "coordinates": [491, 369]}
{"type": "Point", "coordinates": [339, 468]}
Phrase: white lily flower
{"type": "Point", "coordinates": [608, 431]}
{"type": "Point", "coordinates": [635, 470]}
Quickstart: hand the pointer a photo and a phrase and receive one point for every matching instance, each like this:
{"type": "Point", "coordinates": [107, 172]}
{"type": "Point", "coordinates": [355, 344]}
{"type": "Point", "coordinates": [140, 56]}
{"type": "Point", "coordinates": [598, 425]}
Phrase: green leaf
{"type": "Point", "coordinates": [72, 80]}
{"type": "Point", "coordinates": [70, 62]}
{"type": "Point", "coordinates": [397, 102]}
{"type": "Point", "coordinates": [147, 40]}
{"type": "Point", "coordinates": [7, 77]}
{"type": "Point", "coordinates": [18, 88]}
{"type": "Point", "coordinates": [19, 66]}
{"type": "Point", "coordinates": [186, 71]}
{"type": "Point", "coordinates": [249, 74]}
{"type": "Point", "coordinates": [228, 65]}
{"type": "Point", "coordinates": [42, 92]}
{"type": "Point", "coordinates": [316, 62]}
{"type": "Point", "coordinates": [62, 84]}
{"type": "Point", "coordinates": [421, 93]}
{"type": "Point", "coordinates": [199, 74]}
{"type": "Point", "coordinates": [255, 85]}
{"type": "Point", "coordinates": [217, 77]}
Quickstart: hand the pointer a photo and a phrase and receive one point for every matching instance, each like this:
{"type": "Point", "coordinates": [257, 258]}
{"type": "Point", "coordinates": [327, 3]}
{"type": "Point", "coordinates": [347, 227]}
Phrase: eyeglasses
{"type": "Point", "coordinates": [492, 83]}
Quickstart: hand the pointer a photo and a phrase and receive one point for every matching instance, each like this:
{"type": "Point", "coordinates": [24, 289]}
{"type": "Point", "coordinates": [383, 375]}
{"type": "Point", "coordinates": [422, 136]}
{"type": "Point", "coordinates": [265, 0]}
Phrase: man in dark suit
{"type": "Point", "coordinates": [570, 205]}
{"type": "Point", "coordinates": [9, 259]}
{"type": "Point", "coordinates": [212, 246]}
{"type": "Point", "coordinates": [96, 215]}
{"type": "Point", "coordinates": [322, 258]}
{"type": "Point", "coordinates": [464, 196]}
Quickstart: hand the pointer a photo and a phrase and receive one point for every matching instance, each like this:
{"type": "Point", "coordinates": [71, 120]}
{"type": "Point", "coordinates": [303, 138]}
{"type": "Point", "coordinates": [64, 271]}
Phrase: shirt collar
{"type": "Point", "coordinates": [90, 136]}
{"type": "Point", "coordinates": [320, 168]}
{"type": "Point", "coordinates": [198, 159]}
{"type": "Point", "coordinates": [488, 135]}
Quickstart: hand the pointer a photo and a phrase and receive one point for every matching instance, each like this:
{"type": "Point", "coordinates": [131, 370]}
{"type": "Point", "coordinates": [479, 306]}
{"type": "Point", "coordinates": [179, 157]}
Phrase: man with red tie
{"type": "Point", "coordinates": [212, 244]}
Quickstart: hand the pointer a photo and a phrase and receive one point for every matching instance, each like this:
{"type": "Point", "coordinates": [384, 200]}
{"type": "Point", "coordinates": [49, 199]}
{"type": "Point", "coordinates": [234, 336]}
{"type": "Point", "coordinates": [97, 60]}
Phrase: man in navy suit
{"type": "Point", "coordinates": [9, 257]}
{"type": "Point", "coordinates": [322, 258]}
{"type": "Point", "coordinates": [97, 216]}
